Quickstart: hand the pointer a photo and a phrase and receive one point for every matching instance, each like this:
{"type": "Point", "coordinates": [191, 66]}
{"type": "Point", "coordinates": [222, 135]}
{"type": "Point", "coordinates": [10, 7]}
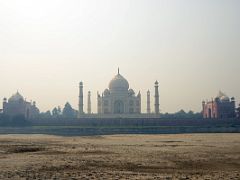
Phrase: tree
{"type": "Point", "coordinates": [59, 110]}
{"type": "Point", "coordinates": [56, 112]}
{"type": "Point", "coordinates": [182, 115]}
{"type": "Point", "coordinates": [46, 115]}
{"type": "Point", "coordinates": [190, 113]}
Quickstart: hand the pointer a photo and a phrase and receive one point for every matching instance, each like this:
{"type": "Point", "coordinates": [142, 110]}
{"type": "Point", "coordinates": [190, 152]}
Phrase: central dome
{"type": "Point", "coordinates": [16, 97]}
{"type": "Point", "coordinates": [118, 83]}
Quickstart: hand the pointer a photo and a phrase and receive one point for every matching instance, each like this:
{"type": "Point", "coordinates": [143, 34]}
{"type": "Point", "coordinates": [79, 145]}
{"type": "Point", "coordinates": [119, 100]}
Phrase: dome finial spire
{"type": "Point", "coordinates": [118, 71]}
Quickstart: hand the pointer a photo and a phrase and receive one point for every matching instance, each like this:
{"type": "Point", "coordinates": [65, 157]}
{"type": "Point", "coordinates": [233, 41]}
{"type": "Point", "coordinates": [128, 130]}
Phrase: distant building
{"type": "Point", "coordinates": [220, 107]}
{"type": "Point", "coordinates": [238, 111]}
{"type": "Point", "coordinates": [16, 105]}
{"type": "Point", "coordinates": [118, 100]}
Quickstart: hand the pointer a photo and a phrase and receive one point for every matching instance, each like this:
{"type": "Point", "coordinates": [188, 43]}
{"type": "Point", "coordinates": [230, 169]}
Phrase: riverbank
{"type": "Point", "coordinates": [183, 156]}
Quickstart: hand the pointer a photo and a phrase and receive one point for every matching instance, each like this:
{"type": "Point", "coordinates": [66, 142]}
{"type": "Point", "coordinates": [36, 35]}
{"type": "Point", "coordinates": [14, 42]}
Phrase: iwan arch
{"type": "Point", "coordinates": [119, 101]}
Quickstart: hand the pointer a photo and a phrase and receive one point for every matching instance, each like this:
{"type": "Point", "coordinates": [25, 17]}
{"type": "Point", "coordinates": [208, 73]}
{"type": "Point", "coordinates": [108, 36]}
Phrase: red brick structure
{"type": "Point", "coordinates": [238, 111]}
{"type": "Point", "coordinates": [220, 107]}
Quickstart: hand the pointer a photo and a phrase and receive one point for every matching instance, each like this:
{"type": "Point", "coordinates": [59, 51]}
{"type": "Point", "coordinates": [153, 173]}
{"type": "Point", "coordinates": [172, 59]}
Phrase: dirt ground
{"type": "Point", "coordinates": [187, 156]}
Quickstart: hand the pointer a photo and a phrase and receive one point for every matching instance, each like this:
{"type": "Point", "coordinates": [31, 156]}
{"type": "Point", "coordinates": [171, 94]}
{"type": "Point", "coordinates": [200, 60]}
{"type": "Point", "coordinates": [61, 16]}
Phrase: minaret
{"type": "Point", "coordinates": [4, 104]}
{"type": "Point", "coordinates": [89, 110]}
{"type": "Point", "coordinates": [80, 105]}
{"type": "Point", "coordinates": [99, 103]}
{"type": "Point", "coordinates": [203, 109]}
{"type": "Point", "coordinates": [156, 98]}
{"type": "Point", "coordinates": [139, 96]}
{"type": "Point", "coordinates": [148, 102]}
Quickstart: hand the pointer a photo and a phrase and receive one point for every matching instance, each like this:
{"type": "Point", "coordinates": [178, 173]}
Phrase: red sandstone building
{"type": "Point", "coordinates": [220, 107]}
{"type": "Point", "coordinates": [238, 111]}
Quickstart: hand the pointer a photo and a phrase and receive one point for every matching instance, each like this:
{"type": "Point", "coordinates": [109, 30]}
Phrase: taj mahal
{"type": "Point", "coordinates": [118, 101]}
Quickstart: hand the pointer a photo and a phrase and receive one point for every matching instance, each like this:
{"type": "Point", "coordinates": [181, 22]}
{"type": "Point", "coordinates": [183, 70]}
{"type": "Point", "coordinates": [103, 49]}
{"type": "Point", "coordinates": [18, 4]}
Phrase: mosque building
{"type": "Point", "coordinates": [118, 100]}
{"type": "Point", "coordinates": [17, 105]}
{"type": "Point", "coordinates": [220, 107]}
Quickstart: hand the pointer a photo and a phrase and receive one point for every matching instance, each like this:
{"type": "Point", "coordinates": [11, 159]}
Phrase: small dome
{"type": "Point", "coordinates": [106, 92]}
{"type": "Point", "coordinates": [16, 97]}
{"type": "Point", "coordinates": [131, 92]}
{"type": "Point", "coordinates": [223, 97]}
{"type": "Point", "coordinates": [118, 83]}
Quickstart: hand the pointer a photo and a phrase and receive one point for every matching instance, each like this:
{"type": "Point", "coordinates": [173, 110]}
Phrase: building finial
{"type": "Point", "coordinates": [118, 71]}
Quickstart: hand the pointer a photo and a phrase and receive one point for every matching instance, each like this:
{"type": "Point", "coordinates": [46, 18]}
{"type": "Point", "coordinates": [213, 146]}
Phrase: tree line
{"type": "Point", "coordinates": [57, 112]}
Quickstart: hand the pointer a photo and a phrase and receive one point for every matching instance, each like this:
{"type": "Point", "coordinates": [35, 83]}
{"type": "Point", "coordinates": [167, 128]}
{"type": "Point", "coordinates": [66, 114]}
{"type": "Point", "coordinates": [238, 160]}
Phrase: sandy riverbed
{"type": "Point", "coordinates": [187, 156]}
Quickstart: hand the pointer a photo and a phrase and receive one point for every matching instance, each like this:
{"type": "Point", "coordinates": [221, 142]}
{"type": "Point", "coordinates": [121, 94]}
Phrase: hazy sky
{"type": "Point", "coordinates": [192, 47]}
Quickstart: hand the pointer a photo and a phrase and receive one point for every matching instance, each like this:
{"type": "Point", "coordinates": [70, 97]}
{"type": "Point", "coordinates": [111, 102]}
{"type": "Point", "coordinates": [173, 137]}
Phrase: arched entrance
{"type": "Point", "coordinates": [209, 113]}
{"type": "Point", "coordinates": [118, 107]}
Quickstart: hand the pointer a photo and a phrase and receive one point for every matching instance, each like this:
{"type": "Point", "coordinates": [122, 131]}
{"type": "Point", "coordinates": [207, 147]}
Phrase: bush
{"type": "Point", "coordinates": [18, 120]}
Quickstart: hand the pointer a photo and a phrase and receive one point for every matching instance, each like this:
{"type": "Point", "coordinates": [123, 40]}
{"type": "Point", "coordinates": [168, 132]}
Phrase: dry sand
{"type": "Point", "coordinates": [187, 156]}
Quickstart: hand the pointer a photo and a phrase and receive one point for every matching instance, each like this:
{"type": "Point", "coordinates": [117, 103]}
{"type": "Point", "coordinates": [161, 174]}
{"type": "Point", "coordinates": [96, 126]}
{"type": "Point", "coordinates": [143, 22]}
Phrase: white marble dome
{"type": "Point", "coordinates": [106, 92]}
{"type": "Point", "coordinates": [16, 97]}
{"type": "Point", "coordinates": [118, 83]}
{"type": "Point", "coordinates": [118, 99]}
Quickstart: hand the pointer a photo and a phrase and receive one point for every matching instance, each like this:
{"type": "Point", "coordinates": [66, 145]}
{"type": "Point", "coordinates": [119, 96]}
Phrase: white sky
{"type": "Point", "coordinates": [191, 47]}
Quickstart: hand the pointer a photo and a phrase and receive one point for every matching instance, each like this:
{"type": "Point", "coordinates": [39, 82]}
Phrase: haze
{"type": "Point", "coordinates": [190, 47]}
